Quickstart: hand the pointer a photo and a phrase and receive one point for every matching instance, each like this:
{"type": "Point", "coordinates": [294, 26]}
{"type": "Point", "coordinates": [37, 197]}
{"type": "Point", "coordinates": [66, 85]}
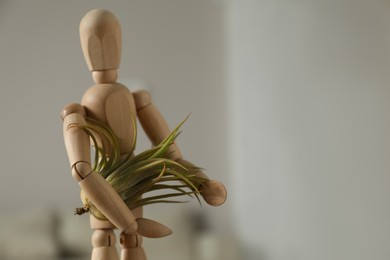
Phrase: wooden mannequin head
{"type": "Point", "coordinates": [100, 36]}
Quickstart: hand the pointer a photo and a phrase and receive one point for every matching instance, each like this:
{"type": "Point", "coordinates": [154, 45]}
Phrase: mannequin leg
{"type": "Point", "coordinates": [131, 247]}
{"type": "Point", "coordinates": [103, 242]}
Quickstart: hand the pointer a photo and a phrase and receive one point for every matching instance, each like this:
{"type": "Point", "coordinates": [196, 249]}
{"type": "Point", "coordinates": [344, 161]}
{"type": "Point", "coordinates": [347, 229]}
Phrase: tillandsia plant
{"type": "Point", "coordinates": [137, 178]}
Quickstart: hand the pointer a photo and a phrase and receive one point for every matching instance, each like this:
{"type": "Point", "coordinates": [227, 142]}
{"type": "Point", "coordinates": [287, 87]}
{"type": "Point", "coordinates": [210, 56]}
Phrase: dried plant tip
{"type": "Point", "coordinates": [81, 211]}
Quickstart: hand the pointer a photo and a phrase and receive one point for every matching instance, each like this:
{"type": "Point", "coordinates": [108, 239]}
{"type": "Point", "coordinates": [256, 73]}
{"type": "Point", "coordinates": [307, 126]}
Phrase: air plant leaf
{"type": "Point", "coordinates": [137, 178]}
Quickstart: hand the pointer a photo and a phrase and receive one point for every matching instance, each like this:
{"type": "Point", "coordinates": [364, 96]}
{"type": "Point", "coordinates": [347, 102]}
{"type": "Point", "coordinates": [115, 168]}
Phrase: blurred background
{"type": "Point", "coordinates": [289, 104]}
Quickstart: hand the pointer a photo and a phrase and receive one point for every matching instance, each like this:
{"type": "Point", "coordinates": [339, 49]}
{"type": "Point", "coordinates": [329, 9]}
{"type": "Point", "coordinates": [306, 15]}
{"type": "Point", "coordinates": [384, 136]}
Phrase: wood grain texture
{"type": "Point", "coordinates": [106, 253]}
{"type": "Point", "coordinates": [137, 253]}
{"type": "Point", "coordinates": [107, 200]}
{"type": "Point", "coordinates": [153, 122]}
{"type": "Point", "coordinates": [131, 247]}
{"type": "Point", "coordinates": [76, 140]}
{"type": "Point", "coordinates": [152, 229]}
{"type": "Point", "coordinates": [113, 104]}
{"type": "Point", "coordinates": [100, 224]}
{"type": "Point", "coordinates": [100, 35]}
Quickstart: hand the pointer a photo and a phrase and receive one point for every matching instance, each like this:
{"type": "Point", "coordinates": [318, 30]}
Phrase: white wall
{"type": "Point", "coordinates": [311, 145]}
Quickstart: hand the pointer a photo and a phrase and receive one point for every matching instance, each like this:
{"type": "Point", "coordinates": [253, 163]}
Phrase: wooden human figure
{"type": "Point", "coordinates": [113, 104]}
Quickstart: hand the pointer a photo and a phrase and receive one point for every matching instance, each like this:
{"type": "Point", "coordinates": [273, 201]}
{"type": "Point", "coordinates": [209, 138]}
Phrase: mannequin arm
{"type": "Point", "coordinates": [96, 188]}
{"type": "Point", "coordinates": [156, 128]}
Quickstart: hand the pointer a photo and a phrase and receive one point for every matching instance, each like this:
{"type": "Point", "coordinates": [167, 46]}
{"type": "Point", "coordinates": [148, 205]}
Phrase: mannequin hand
{"type": "Point", "coordinates": [212, 191]}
